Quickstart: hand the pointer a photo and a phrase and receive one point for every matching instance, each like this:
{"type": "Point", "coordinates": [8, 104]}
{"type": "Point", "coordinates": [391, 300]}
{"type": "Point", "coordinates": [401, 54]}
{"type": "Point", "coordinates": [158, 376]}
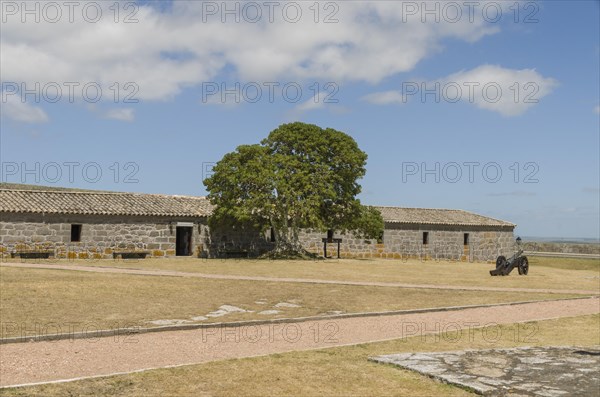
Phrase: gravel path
{"type": "Point", "coordinates": [23, 363]}
{"type": "Point", "coordinates": [171, 273]}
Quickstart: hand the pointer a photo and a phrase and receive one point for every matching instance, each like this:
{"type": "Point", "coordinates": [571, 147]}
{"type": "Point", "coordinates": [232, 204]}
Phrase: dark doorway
{"type": "Point", "coordinates": [183, 245]}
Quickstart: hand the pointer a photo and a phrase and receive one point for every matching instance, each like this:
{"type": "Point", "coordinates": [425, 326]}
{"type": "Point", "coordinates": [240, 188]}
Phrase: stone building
{"type": "Point", "coordinates": [428, 233]}
{"type": "Point", "coordinates": [86, 223]}
{"type": "Point", "coordinates": [94, 224]}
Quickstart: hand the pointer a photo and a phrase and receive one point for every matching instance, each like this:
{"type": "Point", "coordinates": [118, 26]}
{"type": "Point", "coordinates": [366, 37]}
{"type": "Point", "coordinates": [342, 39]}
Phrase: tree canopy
{"type": "Point", "coordinates": [300, 176]}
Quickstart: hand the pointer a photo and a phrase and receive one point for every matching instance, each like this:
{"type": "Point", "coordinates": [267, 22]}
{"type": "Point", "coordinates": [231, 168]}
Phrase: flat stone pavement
{"type": "Point", "coordinates": [40, 362]}
{"type": "Point", "coordinates": [171, 273]}
{"type": "Point", "coordinates": [524, 371]}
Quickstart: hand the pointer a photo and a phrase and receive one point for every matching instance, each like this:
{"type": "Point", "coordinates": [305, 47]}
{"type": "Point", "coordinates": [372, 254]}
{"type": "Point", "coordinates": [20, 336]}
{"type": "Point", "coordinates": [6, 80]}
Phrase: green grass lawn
{"type": "Point", "coordinates": [340, 371]}
{"type": "Point", "coordinates": [31, 298]}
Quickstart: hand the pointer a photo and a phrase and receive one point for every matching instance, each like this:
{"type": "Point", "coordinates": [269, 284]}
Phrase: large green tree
{"type": "Point", "coordinates": [300, 176]}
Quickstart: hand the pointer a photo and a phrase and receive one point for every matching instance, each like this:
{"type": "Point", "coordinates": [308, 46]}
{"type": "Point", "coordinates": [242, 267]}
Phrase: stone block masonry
{"type": "Point", "coordinates": [101, 235]}
{"type": "Point", "coordinates": [406, 241]}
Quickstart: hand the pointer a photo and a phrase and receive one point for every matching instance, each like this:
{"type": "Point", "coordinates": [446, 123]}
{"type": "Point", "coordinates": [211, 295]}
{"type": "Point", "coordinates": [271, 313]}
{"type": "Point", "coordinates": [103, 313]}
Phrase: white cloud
{"type": "Point", "coordinates": [316, 102]}
{"type": "Point", "coordinates": [14, 109]}
{"type": "Point", "coordinates": [321, 100]}
{"type": "Point", "coordinates": [597, 109]}
{"type": "Point", "coordinates": [509, 92]}
{"type": "Point", "coordinates": [123, 114]}
{"type": "Point", "coordinates": [385, 98]}
{"type": "Point", "coordinates": [165, 52]}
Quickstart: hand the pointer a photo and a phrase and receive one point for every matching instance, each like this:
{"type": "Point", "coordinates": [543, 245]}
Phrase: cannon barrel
{"type": "Point", "coordinates": [505, 266]}
{"type": "Point", "coordinates": [515, 256]}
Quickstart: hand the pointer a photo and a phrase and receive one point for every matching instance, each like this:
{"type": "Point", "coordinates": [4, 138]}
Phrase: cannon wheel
{"type": "Point", "coordinates": [500, 261]}
{"type": "Point", "coordinates": [523, 266]}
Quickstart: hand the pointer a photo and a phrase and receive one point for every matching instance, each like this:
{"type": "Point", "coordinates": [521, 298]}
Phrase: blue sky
{"type": "Point", "coordinates": [173, 55]}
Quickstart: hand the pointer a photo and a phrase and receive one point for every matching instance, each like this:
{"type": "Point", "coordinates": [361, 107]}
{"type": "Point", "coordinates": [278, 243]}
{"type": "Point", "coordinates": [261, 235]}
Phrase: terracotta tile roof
{"type": "Point", "coordinates": [139, 204]}
{"type": "Point", "coordinates": [102, 203]}
{"type": "Point", "coordinates": [431, 216]}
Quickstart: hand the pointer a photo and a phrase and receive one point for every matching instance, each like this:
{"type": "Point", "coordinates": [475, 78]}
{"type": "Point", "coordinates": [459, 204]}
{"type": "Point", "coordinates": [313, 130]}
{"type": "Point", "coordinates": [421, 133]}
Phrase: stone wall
{"type": "Point", "coordinates": [102, 235]}
{"type": "Point", "coordinates": [229, 241]}
{"type": "Point", "coordinates": [402, 241]}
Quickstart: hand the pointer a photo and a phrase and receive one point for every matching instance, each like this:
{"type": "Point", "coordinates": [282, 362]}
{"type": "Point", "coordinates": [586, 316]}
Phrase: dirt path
{"type": "Point", "coordinates": [34, 362]}
{"type": "Point", "coordinates": [171, 273]}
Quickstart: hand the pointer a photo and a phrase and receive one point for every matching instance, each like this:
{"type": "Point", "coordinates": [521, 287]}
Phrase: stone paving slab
{"type": "Point", "coordinates": [524, 371]}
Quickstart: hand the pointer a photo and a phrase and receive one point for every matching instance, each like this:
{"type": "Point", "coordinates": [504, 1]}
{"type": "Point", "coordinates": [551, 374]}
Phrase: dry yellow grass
{"type": "Point", "coordinates": [566, 263]}
{"type": "Point", "coordinates": [33, 298]}
{"type": "Point", "coordinates": [550, 273]}
{"type": "Point", "coordinates": [342, 371]}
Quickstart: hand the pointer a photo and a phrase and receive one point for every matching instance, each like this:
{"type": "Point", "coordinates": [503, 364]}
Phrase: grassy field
{"type": "Point", "coordinates": [31, 298]}
{"type": "Point", "coordinates": [340, 371]}
{"type": "Point", "coordinates": [566, 263]}
{"type": "Point", "coordinates": [551, 273]}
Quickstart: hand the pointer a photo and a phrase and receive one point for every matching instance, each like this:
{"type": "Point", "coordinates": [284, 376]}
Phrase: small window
{"type": "Point", "coordinates": [380, 238]}
{"type": "Point", "coordinates": [75, 233]}
{"type": "Point", "coordinates": [425, 238]}
{"type": "Point", "coordinates": [466, 239]}
{"type": "Point", "coordinates": [272, 235]}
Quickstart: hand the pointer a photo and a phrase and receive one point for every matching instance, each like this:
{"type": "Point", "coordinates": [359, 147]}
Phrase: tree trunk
{"type": "Point", "coordinates": [287, 244]}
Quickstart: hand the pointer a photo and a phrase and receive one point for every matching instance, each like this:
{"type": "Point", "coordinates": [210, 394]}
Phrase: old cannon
{"type": "Point", "coordinates": [505, 266]}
